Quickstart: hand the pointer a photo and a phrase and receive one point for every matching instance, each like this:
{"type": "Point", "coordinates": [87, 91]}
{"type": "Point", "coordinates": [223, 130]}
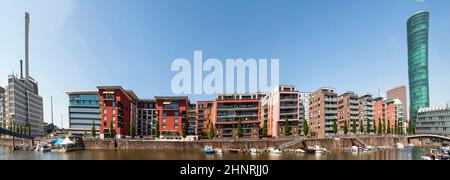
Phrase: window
{"type": "Point", "coordinates": [104, 118]}
{"type": "Point", "coordinates": [164, 126]}
{"type": "Point", "coordinates": [176, 120]}
{"type": "Point", "coordinates": [176, 113]}
{"type": "Point", "coordinates": [164, 113]}
{"type": "Point", "coordinates": [104, 111]}
{"type": "Point", "coordinates": [113, 104]}
{"type": "Point", "coordinates": [114, 111]}
{"type": "Point", "coordinates": [164, 120]}
{"type": "Point", "coordinates": [176, 126]}
{"type": "Point", "coordinates": [114, 118]}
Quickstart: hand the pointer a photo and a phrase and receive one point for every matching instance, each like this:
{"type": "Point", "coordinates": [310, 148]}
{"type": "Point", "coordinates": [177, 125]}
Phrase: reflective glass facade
{"type": "Point", "coordinates": [418, 27]}
{"type": "Point", "coordinates": [84, 109]}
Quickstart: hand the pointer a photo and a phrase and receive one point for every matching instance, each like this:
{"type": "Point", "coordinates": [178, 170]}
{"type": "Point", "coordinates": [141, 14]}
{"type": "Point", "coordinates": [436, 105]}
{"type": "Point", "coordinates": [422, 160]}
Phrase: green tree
{"type": "Point", "coordinates": [380, 127]}
{"type": "Point", "coordinates": [335, 126]}
{"type": "Point", "coordinates": [29, 129]}
{"type": "Point", "coordinates": [112, 131]}
{"type": "Point", "coordinates": [264, 129]}
{"type": "Point", "coordinates": [354, 126]}
{"type": "Point", "coordinates": [400, 128]}
{"type": "Point", "coordinates": [384, 127]}
{"type": "Point", "coordinates": [388, 131]}
{"type": "Point", "coordinates": [133, 130]}
{"type": "Point", "coordinates": [211, 130]}
{"type": "Point", "coordinates": [93, 130]}
{"type": "Point", "coordinates": [185, 130]}
{"type": "Point", "coordinates": [396, 127]}
{"type": "Point", "coordinates": [368, 129]}
{"type": "Point", "coordinates": [345, 127]}
{"type": "Point", "coordinates": [157, 132]}
{"type": "Point", "coordinates": [10, 127]}
{"type": "Point", "coordinates": [361, 127]}
{"type": "Point", "coordinates": [305, 128]}
{"type": "Point", "coordinates": [287, 128]}
{"type": "Point", "coordinates": [410, 128]}
{"type": "Point", "coordinates": [239, 129]}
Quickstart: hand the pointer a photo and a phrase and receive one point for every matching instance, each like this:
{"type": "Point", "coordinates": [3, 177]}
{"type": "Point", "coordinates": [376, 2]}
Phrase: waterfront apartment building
{"type": "Point", "coordinates": [229, 110]}
{"type": "Point", "coordinates": [147, 117]}
{"type": "Point", "coordinates": [23, 105]}
{"type": "Point", "coordinates": [434, 120]}
{"type": "Point", "coordinates": [418, 32]}
{"type": "Point", "coordinates": [192, 119]}
{"type": "Point", "coordinates": [118, 111]}
{"type": "Point", "coordinates": [303, 98]}
{"type": "Point", "coordinates": [204, 110]}
{"type": "Point", "coordinates": [394, 113]}
{"type": "Point", "coordinates": [400, 94]}
{"type": "Point", "coordinates": [172, 112]}
{"type": "Point", "coordinates": [366, 109]}
{"type": "Point", "coordinates": [379, 110]}
{"type": "Point", "coordinates": [348, 110]}
{"type": "Point", "coordinates": [322, 110]}
{"type": "Point", "coordinates": [2, 108]}
{"type": "Point", "coordinates": [278, 106]}
{"type": "Point", "coordinates": [84, 110]}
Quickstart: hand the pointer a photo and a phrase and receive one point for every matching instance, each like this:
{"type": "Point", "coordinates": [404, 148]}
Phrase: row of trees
{"type": "Point", "coordinates": [20, 128]}
{"type": "Point", "coordinates": [383, 127]}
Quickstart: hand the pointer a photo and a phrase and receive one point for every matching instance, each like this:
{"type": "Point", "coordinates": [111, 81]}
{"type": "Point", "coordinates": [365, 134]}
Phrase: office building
{"type": "Point", "coordinates": [204, 110]}
{"type": "Point", "coordinates": [400, 94]}
{"type": "Point", "coordinates": [147, 118]}
{"type": "Point", "coordinates": [434, 120]}
{"type": "Point", "coordinates": [366, 108]}
{"type": "Point", "coordinates": [172, 112]}
{"type": "Point", "coordinates": [84, 110]}
{"type": "Point", "coordinates": [192, 119]}
{"type": "Point", "coordinates": [348, 110]}
{"type": "Point", "coordinates": [417, 29]}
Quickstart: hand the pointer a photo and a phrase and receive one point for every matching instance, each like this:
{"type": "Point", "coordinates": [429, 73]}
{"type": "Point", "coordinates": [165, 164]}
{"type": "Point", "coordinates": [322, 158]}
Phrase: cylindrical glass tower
{"type": "Point", "coordinates": [418, 26]}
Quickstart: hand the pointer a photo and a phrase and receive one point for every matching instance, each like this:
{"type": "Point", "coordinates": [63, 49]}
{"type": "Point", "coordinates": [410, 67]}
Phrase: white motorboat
{"type": "Point", "coordinates": [317, 149]}
{"type": "Point", "coordinates": [219, 150]}
{"type": "Point", "coordinates": [300, 151]}
{"type": "Point", "coordinates": [254, 150]}
{"type": "Point", "coordinates": [208, 149]}
{"type": "Point", "coordinates": [400, 146]}
{"type": "Point", "coordinates": [275, 150]}
{"type": "Point", "coordinates": [354, 148]}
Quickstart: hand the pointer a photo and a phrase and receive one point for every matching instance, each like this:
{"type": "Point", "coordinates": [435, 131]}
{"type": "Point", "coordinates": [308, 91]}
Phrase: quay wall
{"type": "Point", "coordinates": [332, 144]}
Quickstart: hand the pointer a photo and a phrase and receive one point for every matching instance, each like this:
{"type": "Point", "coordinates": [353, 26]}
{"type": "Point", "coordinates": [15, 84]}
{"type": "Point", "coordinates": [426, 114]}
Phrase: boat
{"type": "Point", "coordinates": [354, 148]}
{"type": "Point", "coordinates": [208, 149]}
{"type": "Point", "coordinates": [218, 150]}
{"type": "Point", "coordinates": [436, 154]}
{"type": "Point", "coordinates": [300, 151]}
{"type": "Point", "coordinates": [317, 149]}
{"type": "Point", "coordinates": [400, 146]}
{"type": "Point", "coordinates": [275, 150]}
{"type": "Point", "coordinates": [46, 148]}
{"type": "Point", "coordinates": [254, 150]}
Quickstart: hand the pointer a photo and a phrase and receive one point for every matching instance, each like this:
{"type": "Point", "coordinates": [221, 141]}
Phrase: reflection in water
{"type": "Point", "coordinates": [409, 153]}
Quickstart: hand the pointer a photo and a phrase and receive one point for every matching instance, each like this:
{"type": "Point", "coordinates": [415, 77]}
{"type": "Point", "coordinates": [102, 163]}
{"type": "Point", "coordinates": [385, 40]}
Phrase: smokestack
{"type": "Point", "coordinates": [21, 69]}
{"type": "Point", "coordinates": [27, 28]}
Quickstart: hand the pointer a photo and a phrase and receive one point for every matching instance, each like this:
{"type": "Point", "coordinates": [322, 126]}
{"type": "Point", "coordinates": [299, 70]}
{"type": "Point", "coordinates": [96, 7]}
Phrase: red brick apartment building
{"type": "Point", "coordinates": [172, 111]}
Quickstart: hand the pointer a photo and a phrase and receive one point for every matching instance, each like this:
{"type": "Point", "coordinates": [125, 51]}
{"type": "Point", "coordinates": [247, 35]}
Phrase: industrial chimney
{"type": "Point", "coordinates": [21, 69]}
{"type": "Point", "coordinates": [27, 27]}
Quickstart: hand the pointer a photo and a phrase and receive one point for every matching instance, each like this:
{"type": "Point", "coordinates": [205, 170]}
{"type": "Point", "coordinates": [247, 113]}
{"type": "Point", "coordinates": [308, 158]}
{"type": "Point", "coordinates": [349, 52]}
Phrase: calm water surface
{"type": "Point", "coordinates": [409, 153]}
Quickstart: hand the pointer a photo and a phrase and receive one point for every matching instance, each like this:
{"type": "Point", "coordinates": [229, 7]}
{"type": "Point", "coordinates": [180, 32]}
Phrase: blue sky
{"type": "Point", "coordinates": [357, 45]}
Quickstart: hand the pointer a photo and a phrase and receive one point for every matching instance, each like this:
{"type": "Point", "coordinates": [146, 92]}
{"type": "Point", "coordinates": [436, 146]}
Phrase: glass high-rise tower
{"type": "Point", "coordinates": [418, 27]}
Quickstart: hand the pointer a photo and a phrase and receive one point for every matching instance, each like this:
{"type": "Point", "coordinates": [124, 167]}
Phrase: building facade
{"type": "Point", "coordinates": [192, 119]}
{"type": "Point", "coordinates": [278, 106]}
{"type": "Point", "coordinates": [2, 108]}
{"type": "Point", "coordinates": [418, 29]}
{"type": "Point", "coordinates": [400, 94]}
{"type": "Point", "coordinates": [366, 109]}
{"type": "Point", "coordinates": [23, 105]}
{"type": "Point", "coordinates": [118, 109]}
{"type": "Point", "coordinates": [229, 110]}
{"type": "Point", "coordinates": [303, 99]}
{"type": "Point", "coordinates": [434, 120]}
{"type": "Point", "coordinates": [394, 113]}
{"type": "Point", "coordinates": [323, 111]}
{"type": "Point", "coordinates": [172, 112]}
{"type": "Point", "coordinates": [147, 117]}
{"type": "Point", "coordinates": [204, 110]}
{"type": "Point", "coordinates": [84, 110]}
{"type": "Point", "coordinates": [379, 111]}
{"type": "Point", "coordinates": [348, 110]}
